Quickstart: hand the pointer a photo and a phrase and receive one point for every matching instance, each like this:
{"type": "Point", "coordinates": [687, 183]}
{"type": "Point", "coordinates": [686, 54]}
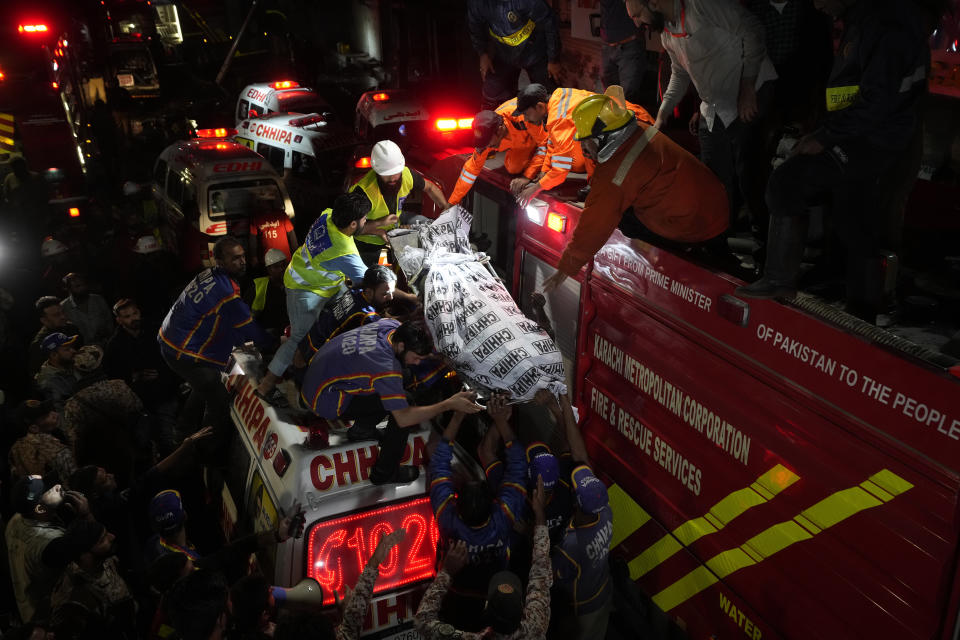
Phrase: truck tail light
{"type": "Point", "coordinates": [338, 550]}
{"type": "Point", "coordinates": [216, 133]}
{"type": "Point", "coordinates": [556, 222]}
{"type": "Point", "coordinates": [362, 163]}
{"type": "Point", "coordinates": [453, 124]}
{"type": "Point", "coordinates": [32, 28]}
{"type": "Point", "coordinates": [380, 96]}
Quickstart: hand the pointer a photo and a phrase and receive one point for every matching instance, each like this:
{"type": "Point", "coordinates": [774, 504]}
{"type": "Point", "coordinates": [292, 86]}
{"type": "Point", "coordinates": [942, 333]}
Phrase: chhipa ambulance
{"type": "Point", "coordinates": [306, 146]}
{"type": "Point", "coordinates": [282, 460]}
{"type": "Point", "coordinates": [284, 96]}
{"type": "Point", "coordinates": [208, 187]}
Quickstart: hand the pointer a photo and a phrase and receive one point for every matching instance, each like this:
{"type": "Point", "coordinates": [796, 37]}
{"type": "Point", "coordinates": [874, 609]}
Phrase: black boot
{"type": "Point", "coordinates": [785, 242]}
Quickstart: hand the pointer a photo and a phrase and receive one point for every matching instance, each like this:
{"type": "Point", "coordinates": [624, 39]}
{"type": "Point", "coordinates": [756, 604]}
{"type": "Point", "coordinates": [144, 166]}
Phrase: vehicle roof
{"type": "Point", "coordinates": [201, 155]}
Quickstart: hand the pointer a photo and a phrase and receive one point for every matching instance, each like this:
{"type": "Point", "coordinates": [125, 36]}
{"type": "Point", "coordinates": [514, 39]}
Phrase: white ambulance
{"type": "Point", "coordinates": [307, 146]}
{"type": "Point", "coordinates": [286, 459]}
{"type": "Point", "coordinates": [207, 187]}
{"type": "Point", "coordinates": [284, 96]}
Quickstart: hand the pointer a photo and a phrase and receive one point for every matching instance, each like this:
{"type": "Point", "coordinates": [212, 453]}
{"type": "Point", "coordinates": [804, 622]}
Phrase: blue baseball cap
{"type": "Point", "coordinates": [56, 340]}
{"type": "Point", "coordinates": [591, 492]}
{"type": "Point", "coordinates": [544, 464]}
{"type": "Point", "coordinates": [166, 512]}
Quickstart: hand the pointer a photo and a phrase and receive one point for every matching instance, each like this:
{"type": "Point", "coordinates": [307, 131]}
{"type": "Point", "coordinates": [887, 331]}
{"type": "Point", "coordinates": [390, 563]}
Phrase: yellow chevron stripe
{"type": "Point", "coordinates": [6, 128]}
{"type": "Point", "coordinates": [764, 488]}
{"type": "Point", "coordinates": [629, 517]}
{"type": "Point", "coordinates": [6, 116]}
{"type": "Point", "coordinates": [833, 509]}
{"type": "Point", "coordinates": [7, 141]}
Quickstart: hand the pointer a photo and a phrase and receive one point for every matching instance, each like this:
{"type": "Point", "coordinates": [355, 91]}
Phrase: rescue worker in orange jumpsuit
{"type": "Point", "coordinates": [644, 183]}
{"type": "Point", "coordinates": [495, 131]}
{"type": "Point", "coordinates": [561, 153]}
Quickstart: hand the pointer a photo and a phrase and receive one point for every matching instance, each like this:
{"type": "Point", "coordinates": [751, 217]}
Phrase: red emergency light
{"type": "Point", "coordinates": [284, 84]}
{"type": "Point", "coordinates": [380, 97]}
{"type": "Point", "coordinates": [55, 85]}
{"type": "Point", "coordinates": [556, 222]}
{"type": "Point", "coordinates": [338, 550]}
{"type": "Point", "coordinates": [32, 28]}
{"type": "Point", "coordinates": [1, 75]}
{"type": "Point", "coordinates": [74, 212]}
{"type": "Point", "coordinates": [362, 163]}
{"type": "Point", "coordinates": [307, 120]}
{"type": "Point", "coordinates": [216, 133]}
{"type": "Point", "coordinates": [453, 124]}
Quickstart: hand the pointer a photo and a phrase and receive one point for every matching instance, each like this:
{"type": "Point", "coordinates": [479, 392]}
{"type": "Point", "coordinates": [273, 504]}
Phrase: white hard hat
{"type": "Point", "coordinates": [52, 247]}
{"type": "Point", "coordinates": [130, 188]}
{"type": "Point", "coordinates": [146, 244]}
{"type": "Point", "coordinates": [273, 256]}
{"type": "Point", "coordinates": [386, 158]}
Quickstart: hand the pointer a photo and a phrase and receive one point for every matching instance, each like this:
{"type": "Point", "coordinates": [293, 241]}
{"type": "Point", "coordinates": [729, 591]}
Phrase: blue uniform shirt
{"type": "Point", "coordinates": [209, 319]}
{"type": "Point", "coordinates": [580, 563]}
{"type": "Point", "coordinates": [347, 311]}
{"type": "Point", "coordinates": [356, 363]}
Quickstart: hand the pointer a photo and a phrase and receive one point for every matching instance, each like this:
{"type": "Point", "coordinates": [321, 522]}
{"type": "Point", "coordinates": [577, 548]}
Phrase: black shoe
{"type": "Point", "coordinates": [356, 433]}
{"type": "Point", "coordinates": [405, 474]}
{"type": "Point", "coordinates": [275, 398]}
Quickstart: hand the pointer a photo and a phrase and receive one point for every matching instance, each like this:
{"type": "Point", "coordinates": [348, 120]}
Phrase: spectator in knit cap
{"type": "Point", "coordinates": [88, 311]}
{"type": "Point", "coordinates": [92, 578]}
{"type": "Point", "coordinates": [40, 508]}
{"type": "Point", "coordinates": [56, 379]}
{"type": "Point", "coordinates": [103, 415]}
{"type": "Point", "coordinates": [52, 320]}
{"type": "Point", "coordinates": [43, 450]}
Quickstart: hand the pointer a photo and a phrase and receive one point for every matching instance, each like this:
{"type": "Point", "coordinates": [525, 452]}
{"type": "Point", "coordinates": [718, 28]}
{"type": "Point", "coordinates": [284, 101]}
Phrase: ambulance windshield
{"type": "Point", "coordinates": [243, 198]}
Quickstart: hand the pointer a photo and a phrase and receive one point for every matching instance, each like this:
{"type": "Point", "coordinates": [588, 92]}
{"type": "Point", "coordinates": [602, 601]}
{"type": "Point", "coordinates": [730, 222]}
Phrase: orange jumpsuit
{"type": "Point", "coordinates": [673, 194]}
{"type": "Point", "coordinates": [561, 154]}
{"type": "Point", "coordinates": [518, 143]}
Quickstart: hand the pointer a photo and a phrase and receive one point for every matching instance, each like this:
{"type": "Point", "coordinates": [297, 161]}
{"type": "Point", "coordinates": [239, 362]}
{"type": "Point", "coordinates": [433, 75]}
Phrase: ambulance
{"type": "Point", "coordinates": [308, 146]}
{"type": "Point", "coordinates": [284, 96]}
{"type": "Point", "coordinates": [210, 186]}
{"type": "Point", "coordinates": [282, 462]}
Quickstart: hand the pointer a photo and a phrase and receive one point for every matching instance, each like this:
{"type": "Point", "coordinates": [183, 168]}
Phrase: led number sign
{"type": "Point", "coordinates": [338, 550]}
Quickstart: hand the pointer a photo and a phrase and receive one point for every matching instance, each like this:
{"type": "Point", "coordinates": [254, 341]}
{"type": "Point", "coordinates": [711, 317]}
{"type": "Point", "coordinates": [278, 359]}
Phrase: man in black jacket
{"type": "Point", "coordinates": [510, 35]}
{"type": "Point", "coordinates": [879, 75]}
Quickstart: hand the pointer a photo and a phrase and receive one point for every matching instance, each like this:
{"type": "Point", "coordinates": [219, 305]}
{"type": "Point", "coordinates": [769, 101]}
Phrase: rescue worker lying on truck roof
{"type": "Point", "coordinates": [553, 113]}
{"type": "Point", "coordinates": [645, 184]}
{"type": "Point", "coordinates": [495, 131]}
{"type": "Point", "coordinates": [472, 512]}
{"type": "Point", "coordinates": [360, 305]}
{"type": "Point", "coordinates": [358, 376]}
{"type": "Point", "coordinates": [315, 275]}
{"type": "Point", "coordinates": [202, 328]}
{"type": "Point", "coordinates": [384, 188]}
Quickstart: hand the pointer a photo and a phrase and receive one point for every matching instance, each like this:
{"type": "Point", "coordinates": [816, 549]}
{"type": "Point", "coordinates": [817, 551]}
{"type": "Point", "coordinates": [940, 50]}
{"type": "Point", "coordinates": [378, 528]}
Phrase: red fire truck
{"type": "Point", "coordinates": [775, 470]}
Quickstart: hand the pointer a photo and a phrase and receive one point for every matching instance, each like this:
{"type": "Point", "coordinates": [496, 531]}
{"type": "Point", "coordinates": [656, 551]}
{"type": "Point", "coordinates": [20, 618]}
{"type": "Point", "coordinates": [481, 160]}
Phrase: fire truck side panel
{"type": "Point", "coordinates": [700, 433]}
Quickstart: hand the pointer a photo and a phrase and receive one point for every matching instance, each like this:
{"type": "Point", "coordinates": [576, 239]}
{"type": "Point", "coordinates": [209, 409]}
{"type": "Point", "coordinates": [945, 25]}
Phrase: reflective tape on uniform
{"type": "Point", "coordinates": [516, 38]}
{"type": "Point", "coordinates": [541, 151]}
{"type": "Point", "coordinates": [466, 176]}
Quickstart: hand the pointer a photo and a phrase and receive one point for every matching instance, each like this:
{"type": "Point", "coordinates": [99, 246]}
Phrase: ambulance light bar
{"type": "Point", "coordinates": [32, 28]}
{"type": "Point", "coordinates": [362, 163]}
{"type": "Point", "coordinates": [453, 124]}
{"type": "Point", "coordinates": [220, 132]}
{"type": "Point", "coordinates": [338, 550]}
{"type": "Point", "coordinates": [305, 121]}
{"type": "Point", "coordinates": [380, 96]}
{"type": "Point", "coordinates": [284, 84]}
